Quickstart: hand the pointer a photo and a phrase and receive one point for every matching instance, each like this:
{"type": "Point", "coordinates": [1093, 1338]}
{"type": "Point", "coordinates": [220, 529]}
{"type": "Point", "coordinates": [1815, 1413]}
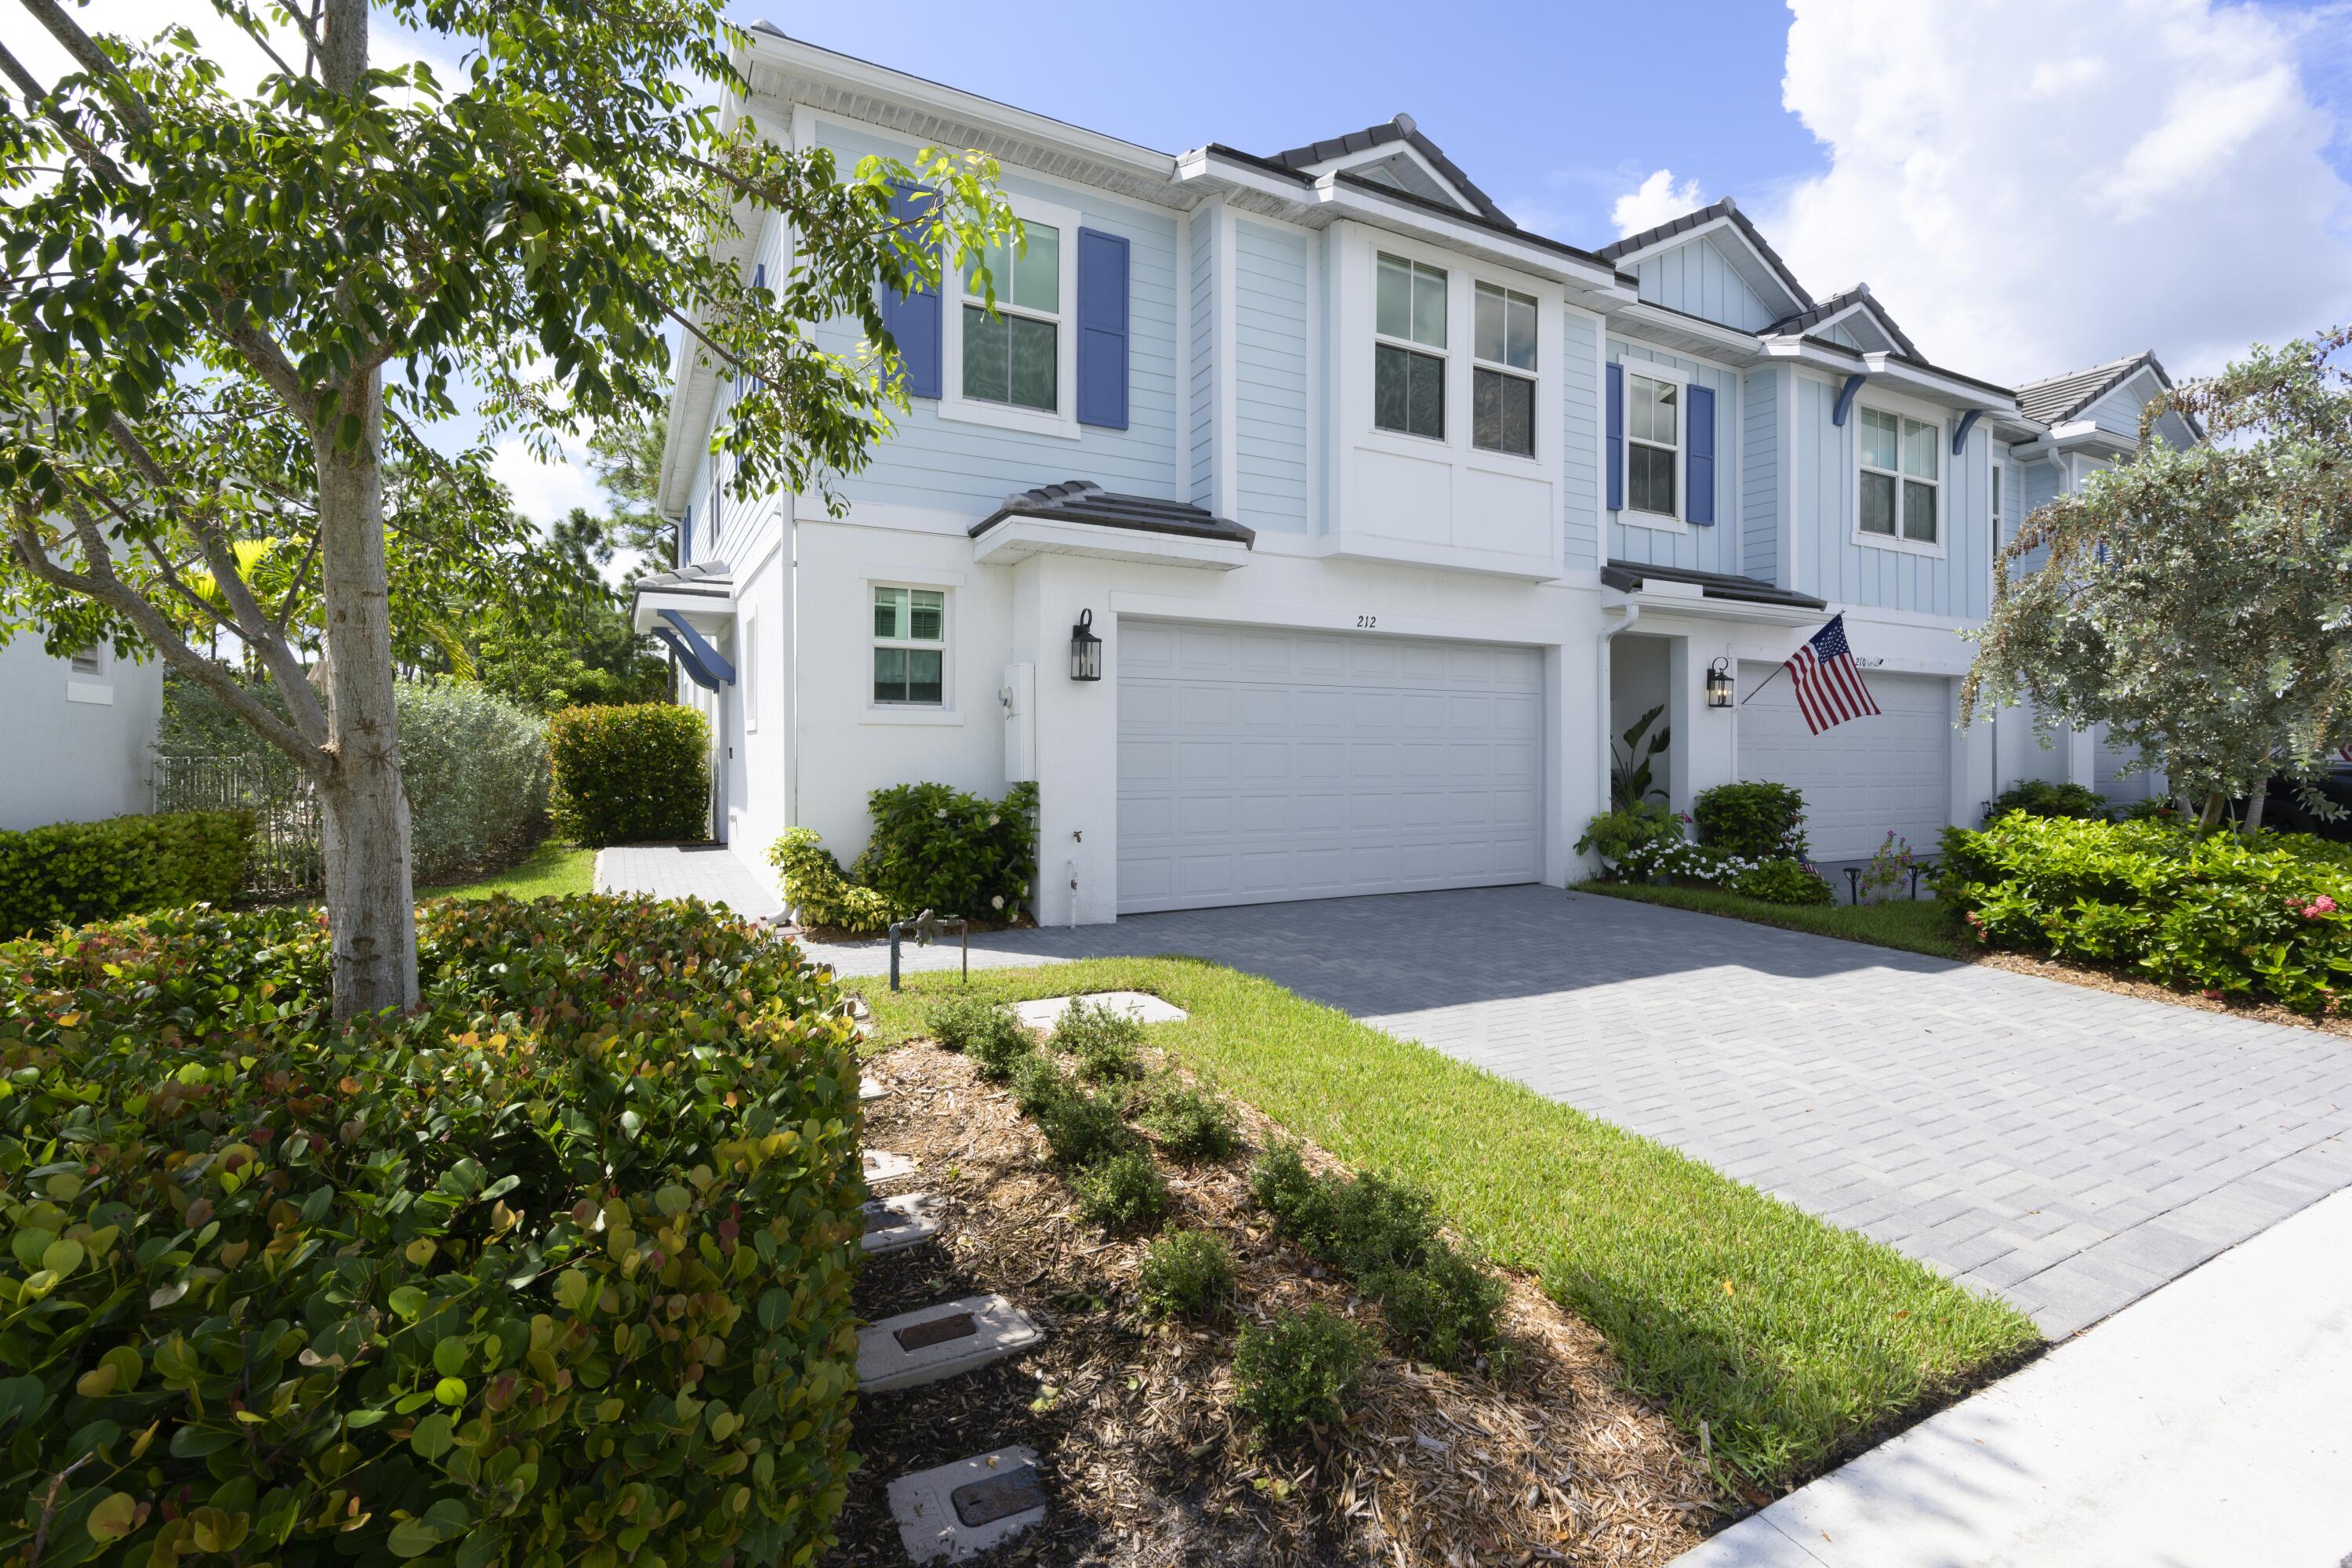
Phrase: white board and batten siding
{"type": "Point", "coordinates": [1257, 765]}
{"type": "Point", "coordinates": [1864, 777]}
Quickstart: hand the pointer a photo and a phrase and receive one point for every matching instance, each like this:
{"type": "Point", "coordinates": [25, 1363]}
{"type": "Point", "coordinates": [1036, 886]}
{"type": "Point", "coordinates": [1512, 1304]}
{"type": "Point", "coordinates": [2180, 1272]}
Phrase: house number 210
{"type": "Point", "coordinates": [1365, 623]}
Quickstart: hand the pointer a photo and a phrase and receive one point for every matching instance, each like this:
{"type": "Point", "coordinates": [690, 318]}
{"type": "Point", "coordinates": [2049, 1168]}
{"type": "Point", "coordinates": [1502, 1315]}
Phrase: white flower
{"type": "Point", "coordinates": [942, 814]}
{"type": "Point", "coordinates": [991, 819]}
{"type": "Point", "coordinates": [997, 902]}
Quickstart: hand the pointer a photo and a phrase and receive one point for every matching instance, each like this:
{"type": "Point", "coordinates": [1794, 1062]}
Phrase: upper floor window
{"type": "Point", "coordinates": [1901, 476]}
{"type": "Point", "coordinates": [1014, 355]}
{"type": "Point", "coordinates": [1502, 376]}
{"type": "Point", "coordinates": [1408, 380]}
{"type": "Point", "coordinates": [1653, 442]}
{"type": "Point", "coordinates": [911, 639]}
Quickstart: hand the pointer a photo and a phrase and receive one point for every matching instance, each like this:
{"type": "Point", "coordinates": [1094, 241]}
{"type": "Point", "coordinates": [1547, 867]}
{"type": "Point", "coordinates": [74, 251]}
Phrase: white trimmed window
{"type": "Point", "coordinates": [1013, 353]}
{"type": "Point", "coordinates": [1902, 478]}
{"type": "Point", "coordinates": [1654, 443]}
{"type": "Point", "coordinates": [910, 647]}
{"type": "Point", "coordinates": [1501, 374]}
{"type": "Point", "coordinates": [1409, 348]}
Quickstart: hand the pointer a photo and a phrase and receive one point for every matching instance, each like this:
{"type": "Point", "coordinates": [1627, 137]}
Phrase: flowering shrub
{"type": "Point", "coordinates": [554, 1268]}
{"type": "Point", "coordinates": [2263, 917]}
{"type": "Point", "coordinates": [1888, 872]}
{"type": "Point", "coordinates": [1616, 835]}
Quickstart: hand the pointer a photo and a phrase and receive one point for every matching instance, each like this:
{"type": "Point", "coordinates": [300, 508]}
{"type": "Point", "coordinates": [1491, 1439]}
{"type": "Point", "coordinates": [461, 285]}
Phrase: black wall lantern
{"type": "Point", "coordinates": [1086, 649]}
{"type": "Point", "coordinates": [1718, 684]}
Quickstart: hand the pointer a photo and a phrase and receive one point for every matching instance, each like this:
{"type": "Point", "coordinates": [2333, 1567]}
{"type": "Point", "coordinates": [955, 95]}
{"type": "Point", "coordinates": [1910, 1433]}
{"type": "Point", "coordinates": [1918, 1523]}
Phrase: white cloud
{"type": "Point", "coordinates": [1655, 200]}
{"type": "Point", "coordinates": [545, 491]}
{"type": "Point", "coordinates": [2034, 187]}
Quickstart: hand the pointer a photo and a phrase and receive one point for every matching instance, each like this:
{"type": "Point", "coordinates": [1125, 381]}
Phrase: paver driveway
{"type": "Point", "coordinates": [2068, 1148]}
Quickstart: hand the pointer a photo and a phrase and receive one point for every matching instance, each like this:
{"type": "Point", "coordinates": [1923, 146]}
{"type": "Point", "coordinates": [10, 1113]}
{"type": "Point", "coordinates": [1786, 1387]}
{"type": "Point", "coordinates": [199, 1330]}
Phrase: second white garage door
{"type": "Point", "coordinates": [1864, 777]}
{"type": "Point", "coordinates": [1260, 765]}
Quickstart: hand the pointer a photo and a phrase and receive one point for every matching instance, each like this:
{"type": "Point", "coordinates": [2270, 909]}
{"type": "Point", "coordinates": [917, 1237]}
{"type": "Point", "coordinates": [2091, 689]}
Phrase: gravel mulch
{"type": "Point", "coordinates": [1130, 1419]}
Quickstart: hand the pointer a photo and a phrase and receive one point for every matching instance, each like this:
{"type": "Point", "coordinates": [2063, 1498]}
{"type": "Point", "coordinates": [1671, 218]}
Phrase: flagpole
{"type": "Point", "coordinates": [1763, 683]}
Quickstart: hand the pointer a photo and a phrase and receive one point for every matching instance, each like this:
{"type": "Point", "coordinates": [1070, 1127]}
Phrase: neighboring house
{"type": "Point", "coordinates": [1388, 515]}
{"type": "Point", "coordinates": [82, 732]}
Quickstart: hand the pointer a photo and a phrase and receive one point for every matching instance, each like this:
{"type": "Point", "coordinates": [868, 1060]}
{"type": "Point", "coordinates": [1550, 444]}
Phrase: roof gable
{"type": "Point", "coordinates": [1396, 154]}
{"type": "Point", "coordinates": [1760, 266]}
{"type": "Point", "coordinates": [1853, 316]}
{"type": "Point", "coordinates": [2104, 394]}
{"type": "Point", "coordinates": [1702, 278]}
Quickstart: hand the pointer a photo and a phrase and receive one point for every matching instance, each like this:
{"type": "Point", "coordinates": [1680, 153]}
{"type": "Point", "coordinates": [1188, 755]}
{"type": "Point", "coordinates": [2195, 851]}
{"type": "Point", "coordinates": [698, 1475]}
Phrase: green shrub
{"type": "Point", "coordinates": [1187, 1121]}
{"type": "Point", "coordinates": [1301, 1369]}
{"type": "Point", "coordinates": [1782, 882]}
{"type": "Point", "coordinates": [634, 774]}
{"type": "Point", "coordinates": [75, 872]}
{"type": "Point", "coordinates": [2264, 917]}
{"type": "Point", "coordinates": [560, 1262]}
{"type": "Point", "coordinates": [1037, 1083]}
{"type": "Point", "coordinates": [2038, 797]}
{"type": "Point", "coordinates": [1384, 1236]}
{"type": "Point", "coordinates": [936, 847]}
{"type": "Point", "coordinates": [1081, 1129]}
{"type": "Point", "coordinates": [1754, 821]}
{"type": "Point", "coordinates": [475, 766]}
{"type": "Point", "coordinates": [1187, 1274]}
{"type": "Point", "coordinates": [1618, 836]}
{"type": "Point", "coordinates": [1102, 1040]}
{"type": "Point", "coordinates": [987, 1032]}
{"type": "Point", "coordinates": [1122, 1193]}
{"type": "Point", "coordinates": [819, 894]}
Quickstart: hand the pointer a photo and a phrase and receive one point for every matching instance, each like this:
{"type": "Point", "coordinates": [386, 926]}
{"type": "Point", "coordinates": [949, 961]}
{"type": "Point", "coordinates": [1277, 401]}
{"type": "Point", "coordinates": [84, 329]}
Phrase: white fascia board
{"type": "Point", "coordinates": [1730, 344]}
{"type": "Point", "coordinates": [2089, 438]}
{"type": "Point", "coordinates": [1326, 202]}
{"type": "Point", "coordinates": [804, 67]}
{"type": "Point", "coordinates": [1657, 605]}
{"type": "Point", "coordinates": [1382, 154]}
{"type": "Point", "coordinates": [1937, 388]}
{"type": "Point", "coordinates": [706, 610]}
{"type": "Point", "coordinates": [1019, 538]}
{"type": "Point", "coordinates": [1790, 347]}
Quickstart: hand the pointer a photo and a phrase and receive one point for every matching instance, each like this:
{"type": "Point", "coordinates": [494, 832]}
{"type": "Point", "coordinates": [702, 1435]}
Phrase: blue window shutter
{"type": "Point", "coordinates": [1698, 459]}
{"type": "Point", "coordinates": [1616, 399]}
{"type": "Point", "coordinates": [1102, 328]}
{"type": "Point", "coordinates": [914, 320]}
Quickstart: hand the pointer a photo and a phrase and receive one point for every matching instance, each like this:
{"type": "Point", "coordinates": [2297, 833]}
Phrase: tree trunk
{"type": "Point", "coordinates": [363, 808]}
{"type": "Point", "coordinates": [2254, 801]}
{"type": "Point", "coordinates": [2211, 817]}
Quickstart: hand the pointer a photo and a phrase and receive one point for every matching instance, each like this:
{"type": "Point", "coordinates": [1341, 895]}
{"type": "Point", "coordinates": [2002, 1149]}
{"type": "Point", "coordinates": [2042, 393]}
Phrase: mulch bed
{"type": "Point", "coordinates": [2335, 1023]}
{"type": "Point", "coordinates": [1131, 1419]}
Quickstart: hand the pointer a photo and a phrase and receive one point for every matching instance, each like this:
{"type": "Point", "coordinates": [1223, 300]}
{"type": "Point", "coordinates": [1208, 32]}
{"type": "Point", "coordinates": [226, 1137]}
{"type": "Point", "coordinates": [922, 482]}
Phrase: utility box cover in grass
{"type": "Point", "coordinates": [1141, 1006]}
{"type": "Point", "coordinates": [971, 1506]}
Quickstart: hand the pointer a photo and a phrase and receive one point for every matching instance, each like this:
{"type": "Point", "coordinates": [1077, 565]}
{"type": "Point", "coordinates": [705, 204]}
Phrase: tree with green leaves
{"type": "Point", "coordinates": [2197, 601]}
{"type": "Point", "coordinates": [240, 317]}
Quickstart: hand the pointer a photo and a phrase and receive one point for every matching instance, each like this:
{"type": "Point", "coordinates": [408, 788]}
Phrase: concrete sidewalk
{"type": "Point", "coordinates": [2207, 1425]}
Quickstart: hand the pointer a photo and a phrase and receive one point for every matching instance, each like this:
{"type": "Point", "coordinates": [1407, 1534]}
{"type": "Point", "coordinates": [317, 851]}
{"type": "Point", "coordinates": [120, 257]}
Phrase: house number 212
{"type": "Point", "coordinates": [1365, 623]}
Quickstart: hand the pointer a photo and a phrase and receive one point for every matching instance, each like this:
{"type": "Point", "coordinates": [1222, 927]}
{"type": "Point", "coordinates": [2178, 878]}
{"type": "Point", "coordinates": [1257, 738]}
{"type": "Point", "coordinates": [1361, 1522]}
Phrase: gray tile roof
{"type": "Point", "coordinates": [2055, 399]}
{"type": "Point", "coordinates": [1726, 208]}
{"type": "Point", "coordinates": [1626, 577]}
{"type": "Point", "coordinates": [702, 577]}
{"type": "Point", "coordinates": [1805, 319]}
{"type": "Point", "coordinates": [1400, 129]}
{"type": "Point", "coordinates": [1082, 501]}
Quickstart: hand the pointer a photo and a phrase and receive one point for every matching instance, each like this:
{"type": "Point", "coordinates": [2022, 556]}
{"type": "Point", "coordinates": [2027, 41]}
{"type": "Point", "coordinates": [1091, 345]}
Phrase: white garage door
{"type": "Point", "coordinates": [1866, 776]}
{"type": "Point", "coordinates": [1260, 765]}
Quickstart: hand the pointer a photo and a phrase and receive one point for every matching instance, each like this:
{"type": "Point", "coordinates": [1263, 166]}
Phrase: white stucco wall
{"type": "Point", "coordinates": [79, 747]}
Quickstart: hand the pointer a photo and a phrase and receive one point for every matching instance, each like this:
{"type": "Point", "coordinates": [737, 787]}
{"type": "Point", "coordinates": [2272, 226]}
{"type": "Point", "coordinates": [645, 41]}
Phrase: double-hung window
{"type": "Point", "coordinates": [1408, 378]}
{"type": "Point", "coordinates": [1902, 478]}
{"type": "Point", "coordinates": [911, 644]}
{"type": "Point", "coordinates": [1653, 442]}
{"type": "Point", "coordinates": [1501, 375]}
{"type": "Point", "coordinates": [1013, 354]}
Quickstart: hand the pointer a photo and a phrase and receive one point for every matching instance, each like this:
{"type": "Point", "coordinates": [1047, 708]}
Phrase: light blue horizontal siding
{"type": "Point", "coordinates": [1580, 467]}
{"type": "Point", "coordinates": [1694, 277]}
{"type": "Point", "coordinates": [1202, 366]}
{"type": "Point", "coordinates": [1760, 480]}
{"type": "Point", "coordinates": [1832, 563]}
{"type": "Point", "coordinates": [1272, 457]}
{"type": "Point", "coordinates": [968, 468]}
{"type": "Point", "coordinates": [1705, 548]}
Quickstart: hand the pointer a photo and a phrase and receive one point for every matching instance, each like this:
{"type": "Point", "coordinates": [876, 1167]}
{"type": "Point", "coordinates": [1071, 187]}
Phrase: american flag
{"type": "Point", "coordinates": [1829, 683]}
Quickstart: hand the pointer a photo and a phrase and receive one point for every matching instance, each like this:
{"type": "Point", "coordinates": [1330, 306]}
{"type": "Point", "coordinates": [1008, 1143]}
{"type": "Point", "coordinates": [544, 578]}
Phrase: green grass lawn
{"type": "Point", "coordinates": [1793, 1341]}
{"type": "Point", "coordinates": [552, 868]}
{"type": "Point", "coordinates": [1918, 926]}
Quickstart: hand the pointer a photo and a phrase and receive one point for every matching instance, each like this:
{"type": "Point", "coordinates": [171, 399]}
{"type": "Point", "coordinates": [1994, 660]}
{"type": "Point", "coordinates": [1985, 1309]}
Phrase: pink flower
{"type": "Point", "coordinates": [2209, 995]}
{"type": "Point", "coordinates": [2323, 904]}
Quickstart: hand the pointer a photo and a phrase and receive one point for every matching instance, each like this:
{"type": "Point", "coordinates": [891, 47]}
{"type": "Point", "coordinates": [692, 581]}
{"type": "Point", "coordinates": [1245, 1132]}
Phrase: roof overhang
{"type": "Point", "coordinates": [1318, 201]}
{"type": "Point", "coordinates": [1017, 539]}
{"type": "Point", "coordinates": [1915, 378]}
{"type": "Point", "coordinates": [1682, 591]}
{"type": "Point", "coordinates": [705, 602]}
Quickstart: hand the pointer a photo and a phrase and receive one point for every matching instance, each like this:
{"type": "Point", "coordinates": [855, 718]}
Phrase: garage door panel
{"type": "Point", "coordinates": [1864, 777]}
{"type": "Point", "coordinates": [1258, 766]}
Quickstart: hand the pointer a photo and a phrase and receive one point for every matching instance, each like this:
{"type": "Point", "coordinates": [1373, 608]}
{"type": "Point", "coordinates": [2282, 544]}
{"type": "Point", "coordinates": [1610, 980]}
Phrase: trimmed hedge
{"type": "Point", "coordinates": [553, 1270]}
{"type": "Point", "coordinates": [75, 872]}
{"type": "Point", "coordinates": [632, 774]}
{"type": "Point", "coordinates": [2269, 917]}
{"type": "Point", "coordinates": [475, 766]}
{"type": "Point", "coordinates": [1755, 821]}
{"type": "Point", "coordinates": [933, 848]}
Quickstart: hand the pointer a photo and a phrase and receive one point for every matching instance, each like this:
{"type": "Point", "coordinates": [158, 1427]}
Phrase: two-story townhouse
{"type": "Point", "coordinates": [1306, 528]}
